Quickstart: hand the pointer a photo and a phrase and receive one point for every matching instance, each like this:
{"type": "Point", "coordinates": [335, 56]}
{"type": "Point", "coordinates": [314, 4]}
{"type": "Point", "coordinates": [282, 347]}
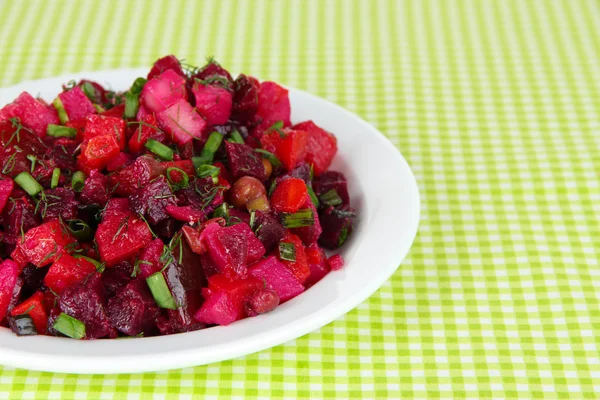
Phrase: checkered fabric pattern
{"type": "Point", "coordinates": [496, 106]}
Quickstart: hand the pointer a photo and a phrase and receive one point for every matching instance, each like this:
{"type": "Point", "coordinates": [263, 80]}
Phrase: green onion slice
{"type": "Point", "coordinates": [55, 178]}
{"type": "Point", "coordinates": [132, 98]}
{"type": "Point", "coordinates": [287, 251]}
{"type": "Point", "coordinates": [208, 170]}
{"type": "Point", "coordinates": [69, 326]}
{"type": "Point", "coordinates": [222, 211]}
{"type": "Point", "coordinates": [298, 219]}
{"type": "Point", "coordinates": [269, 156]}
{"type": "Point", "coordinates": [99, 266]}
{"type": "Point", "coordinates": [164, 152]}
{"type": "Point", "coordinates": [80, 229]}
{"type": "Point", "coordinates": [60, 108]}
{"type": "Point", "coordinates": [331, 198]}
{"type": "Point", "coordinates": [160, 291]}
{"type": "Point", "coordinates": [210, 148]}
{"type": "Point", "coordinates": [236, 137]}
{"type": "Point", "coordinates": [60, 131]}
{"type": "Point", "coordinates": [28, 183]}
{"type": "Point", "coordinates": [78, 181]}
{"type": "Point", "coordinates": [313, 196]}
{"type": "Point", "coordinates": [89, 90]}
{"type": "Point", "coordinates": [183, 183]}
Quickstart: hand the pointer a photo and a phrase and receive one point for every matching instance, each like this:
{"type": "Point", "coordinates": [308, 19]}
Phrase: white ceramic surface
{"type": "Point", "coordinates": [382, 189]}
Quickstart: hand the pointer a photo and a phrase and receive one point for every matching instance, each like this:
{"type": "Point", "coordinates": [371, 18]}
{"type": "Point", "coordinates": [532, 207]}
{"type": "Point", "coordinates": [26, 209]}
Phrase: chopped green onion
{"type": "Point", "coordinates": [208, 152]}
{"type": "Point", "coordinates": [164, 152]}
{"type": "Point", "coordinates": [331, 198]}
{"type": "Point", "coordinates": [69, 326]}
{"type": "Point", "coordinates": [343, 236]}
{"type": "Point", "coordinates": [132, 98]}
{"type": "Point", "coordinates": [160, 291]}
{"type": "Point", "coordinates": [208, 170]}
{"type": "Point", "coordinates": [61, 131]}
{"type": "Point", "coordinates": [60, 108]}
{"type": "Point", "coordinates": [89, 90]}
{"type": "Point", "coordinates": [185, 179]}
{"type": "Point", "coordinates": [272, 187]}
{"type": "Point", "coordinates": [252, 218]}
{"type": "Point", "coordinates": [276, 125]}
{"type": "Point", "coordinates": [99, 266]}
{"type": "Point", "coordinates": [236, 137]}
{"type": "Point", "coordinates": [33, 160]}
{"type": "Point", "coordinates": [99, 109]}
{"type": "Point", "coordinates": [313, 196]}
{"type": "Point", "coordinates": [299, 219]}
{"type": "Point", "coordinates": [287, 251]}
{"type": "Point", "coordinates": [80, 229]}
{"type": "Point", "coordinates": [55, 178]}
{"type": "Point", "coordinates": [221, 212]}
{"type": "Point", "coordinates": [269, 156]}
{"type": "Point", "coordinates": [28, 184]}
{"type": "Point", "coordinates": [78, 181]}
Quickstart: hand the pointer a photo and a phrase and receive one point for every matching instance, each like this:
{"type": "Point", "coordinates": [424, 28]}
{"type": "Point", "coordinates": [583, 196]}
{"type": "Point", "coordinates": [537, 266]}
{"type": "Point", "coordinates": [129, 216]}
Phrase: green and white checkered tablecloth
{"type": "Point", "coordinates": [496, 106]}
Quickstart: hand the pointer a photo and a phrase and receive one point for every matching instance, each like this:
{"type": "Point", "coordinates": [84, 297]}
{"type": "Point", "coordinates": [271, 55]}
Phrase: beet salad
{"type": "Point", "coordinates": [188, 201]}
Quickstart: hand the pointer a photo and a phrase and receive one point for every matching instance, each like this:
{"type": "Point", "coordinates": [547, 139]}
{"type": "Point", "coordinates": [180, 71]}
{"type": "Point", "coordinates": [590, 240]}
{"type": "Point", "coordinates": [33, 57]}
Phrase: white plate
{"type": "Point", "coordinates": [382, 189]}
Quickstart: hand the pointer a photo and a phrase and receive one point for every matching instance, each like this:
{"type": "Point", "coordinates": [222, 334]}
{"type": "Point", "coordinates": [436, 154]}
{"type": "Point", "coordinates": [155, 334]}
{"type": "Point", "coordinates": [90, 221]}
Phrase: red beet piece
{"type": "Point", "coordinates": [245, 99]}
{"type": "Point", "coordinates": [163, 64]}
{"type": "Point", "coordinates": [67, 271]}
{"type": "Point", "coordinates": [332, 180]}
{"type": "Point", "coordinates": [34, 307]}
{"type": "Point", "coordinates": [96, 190]}
{"type": "Point", "coordinates": [181, 122]}
{"type": "Point", "coordinates": [336, 262]}
{"type": "Point", "coordinates": [292, 149]}
{"type": "Point", "coordinates": [119, 162]}
{"type": "Point", "coordinates": [213, 102]}
{"type": "Point", "coordinates": [299, 268]}
{"type": "Point", "coordinates": [277, 277]}
{"type": "Point", "coordinates": [289, 195]}
{"type": "Point", "coordinates": [147, 129]}
{"type": "Point", "coordinates": [32, 113]}
{"type": "Point", "coordinates": [33, 279]}
{"type": "Point", "coordinates": [80, 125]}
{"type": "Point", "coordinates": [243, 161]}
{"type": "Point", "coordinates": [97, 153]}
{"type": "Point", "coordinates": [261, 302]}
{"type": "Point", "coordinates": [113, 279]}
{"type": "Point", "coordinates": [309, 234]}
{"type": "Point", "coordinates": [185, 213]}
{"type": "Point", "coordinates": [6, 187]}
{"type": "Point", "coordinates": [120, 237]}
{"type": "Point", "coordinates": [9, 273]}
{"type": "Point", "coordinates": [19, 215]}
{"type": "Point", "coordinates": [59, 202]}
{"type": "Point", "coordinates": [225, 299]}
{"type": "Point", "coordinates": [98, 125]}
{"type": "Point", "coordinates": [44, 243]}
{"type": "Point", "coordinates": [268, 230]}
{"type": "Point", "coordinates": [162, 91]}
{"type": "Point", "coordinates": [211, 69]}
{"type": "Point", "coordinates": [99, 91]}
{"type": "Point", "coordinates": [321, 146]}
{"type": "Point", "coordinates": [273, 106]}
{"type": "Point", "coordinates": [133, 309]}
{"type": "Point", "coordinates": [337, 226]}
{"type": "Point", "coordinates": [317, 264]}
{"type": "Point", "coordinates": [150, 258]}
{"type": "Point", "coordinates": [152, 200]}
{"type": "Point", "coordinates": [116, 205]}
{"type": "Point", "coordinates": [62, 154]}
{"type": "Point", "coordinates": [76, 103]}
{"type": "Point", "coordinates": [84, 302]}
{"type": "Point", "coordinates": [135, 176]}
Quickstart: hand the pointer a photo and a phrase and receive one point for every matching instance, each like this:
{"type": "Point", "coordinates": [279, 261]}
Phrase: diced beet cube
{"type": "Point", "coordinates": [210, 70]}
{"type": "Point", "coordinates": [317, 264]}
{"type": "Point", "coordinates": [289, 195]}
{"type": "Point", "coordinates": [192, 237]}
{"type": "Point", "coordinates": [243, 161]}
{"type": "Point", "coordinates": [33, 279]}
{"type": "Point", "coordinates": [97, 153]}
{"type": "Point", "coordinates": [162, 91]}
{"type": "Point", "coordinates": [185, 213]}
{"type": "Point", "coordinates": [116, 111]}
{"type": "Point", "coordinates": [336, 262]}
{"type": "Point", "coordinates": [59, 202]}
{"type": "Point", "coordinates": [135, 176]}
{"type": "Point", "coordinates": [269, 231]}
{"type": "Point", "coordinates": [113, 279]}
{"type": "Point", "coordinates": [32, 113]}
{"type": "Point", "coordinates": [84, 301]}
{"type": "Point", "coordinates": [98, 125]}
{"type": "Point", "coordinates": [245, 98]}
{"type": "Point", "coordinates": [277, 277]}
{"type": "Point", "coordinates": [96, 190]}
{"type": "Point", "coordinates": [273, 106]}
{"type": "Point", "coordinates": [119, 162]}
{"type": "Point", "coordinates": [309, 234]}
{"type": "Point", "coordinates": [133, 309]}
{"type": "Point", "coordinates": [67, 271]}
{"type": "Point", "coordinates": [167, 228]}
{"type": "Point", "coordinates": [76, 103]}
{"type": "Point", "coordinates": [321, 146]}
{"type": "Point", "coordinates": [120, 237]}
{"type": "Point", "coordinates": [19, 214]}
{"type": "Point", "coordinates": [213, 102]}
{"type": "Point", "coordinates": [146, 130]}
{"type": "Point", "coordinates": [150, 258]}
{"type": "Point", "coordinates": [299, 268]}
{"type": "Point", "coordinates": [116, 205]}
{"type": "Point", "coordinates": [302, 171]}
{"type": "Point", "coordinates": [44, 243]}
{"type": "Point", "coordinates": [181, 122]}
{"type": "Point", "coordinates": [223, 310]}
{"type": "Point", "coordinates": [292, 149]}
{"type": "Point", "coordinates": [152, 200]}
{"type": "Point", "coordinates": [6, 188]}
{"type": "Point", "coordinates": [34, 307]}
{"type": "Point", "coordinates": [332, 180]}
{"type": "Point", "coordinates": [166, 63]}
{"type": "Point", "coordinates": [337, 226]}
{"type": "Point", "coordinates": [80, 125]}
{"type": "Point", "coordinates": [202, 194]}
{"type": "Point", "coordinates": [9, 273]}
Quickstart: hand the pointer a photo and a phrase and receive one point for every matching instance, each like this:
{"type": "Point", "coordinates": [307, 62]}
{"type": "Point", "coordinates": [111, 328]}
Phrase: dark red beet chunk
{"type": "Point", "coordinates": [165, 63]}
{"type": "Point", "coordinates": [151, 201]}
{"type": "Point", "coordinates": [96, 190]}
{"type": "Point", "coordinates": [84, 302]}
{"type": "Point", "coordinates": [243, 161]}
{"type": "Point", "coordinates": [212, 69]}
{"type": "Point", "coordinates": [33, 278]}
{"type": "Point", "coordinates": [332, 180]}
{"type": "Point", "coordinates": [268, 230]}
{"type": "Point", "coordinates": [133, 310]}
{"type": "Point", "coordinates": [62, 153]}
{"type": "Point", "coordinates": [245, 99]}
{"type": "Point", "coordinates": [19, 214]}
{"type": "Point", "coordinates": [115, 278]}
{"type": "Point", "coordinates": [337, 226]}
{"type": "Point", "coordinates": [59, 202]}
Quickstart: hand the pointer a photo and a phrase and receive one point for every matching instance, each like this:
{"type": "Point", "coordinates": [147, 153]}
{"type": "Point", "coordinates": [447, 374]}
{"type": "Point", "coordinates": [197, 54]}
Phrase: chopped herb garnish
{"type": "Point", "coordinates": [252, 218]}
{"type": "Point", "coordinates": [69, 326]}
{"type": "Point", "coordinates": [221, 212]}
{"type": "Point", "coordinates": [331, 198]}
{"type": "Point", "coordinates": [179, 181]}
{"type": "Point", "coordinates": [132, 98]}
{"type": "Point", "coordinates": [343, 236]}
{"type": "Point", "coordinates": [33, 160]}
{"type": "Point", "coordinates": [78, 181]}
{"type": "Point", "coordinates": [208, 170]}
{"type": "Point", "coordinates": [80, 229]}
{"type": "Point", "coordinates": [28, 184]}
{"type": "Point", "coordinates": [287, 251]}
{"type": "Point", "coordinates": [90, 91]}
{"type": "Point", "coordinates": [298, 219]}
{"type": "Point", "coordinates": [61, 131]}
{"type": "Point", "coordinates": [236, 137]}
{"type": "Point", "coordinates": [60, 108]}
{"type": "Point", "coordinates": [208, 152]}
{"type": "Point", "coordinates": [269, 156]}
{"type": "Point", "coordinates": [277, 127]}
{"type": "Point", "coordinates": [160, 291]}
{"type": "Point", "coordinates": [313, 196]}
{"type": "Point", "coordinates": [161, 150]}
{"type": "Point", "coordinates": [55, 178]}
